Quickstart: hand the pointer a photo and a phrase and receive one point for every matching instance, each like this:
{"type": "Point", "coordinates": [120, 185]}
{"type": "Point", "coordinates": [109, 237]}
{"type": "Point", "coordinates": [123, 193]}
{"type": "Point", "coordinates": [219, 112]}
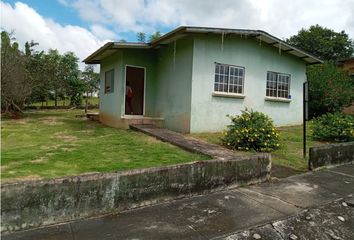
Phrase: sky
{"type": "Point", "coordinates": [82, 26]}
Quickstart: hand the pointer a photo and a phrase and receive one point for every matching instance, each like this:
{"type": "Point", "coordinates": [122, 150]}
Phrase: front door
{"type": "Point", "coordinates": [134, 90]}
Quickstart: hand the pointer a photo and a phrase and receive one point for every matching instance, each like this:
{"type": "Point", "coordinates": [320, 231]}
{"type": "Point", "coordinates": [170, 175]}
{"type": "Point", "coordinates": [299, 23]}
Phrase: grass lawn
{"type": "Point", "coordinates": [55, 143]}
{"type": "Point", "coordinates": [290, 154]}
{"type": "Point", "coordinates": [66, 102]}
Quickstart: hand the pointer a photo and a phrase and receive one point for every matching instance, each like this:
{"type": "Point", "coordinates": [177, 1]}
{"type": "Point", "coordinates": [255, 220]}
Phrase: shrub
{"type": "Point", "coordinates": [330, 89]}
{"type": "Point", "coordinates": [251, 131]}
{"type": "Point", "coordinates": [333, 127]}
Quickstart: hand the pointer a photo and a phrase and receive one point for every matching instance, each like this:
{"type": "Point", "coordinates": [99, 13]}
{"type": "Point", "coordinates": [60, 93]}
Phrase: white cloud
{"type": "Point", "coordinates": [110, 19]}
{"type": "Point", "coordinates": [29, 25]}
{"type": "Point", "coordinates": [91, 11]}
{"type": "Point", "coordinates": [278, 17]}
{"type": "Point", "coordinates": [104, 33]}
{"type": "Point", "coordinates": [286, 18]}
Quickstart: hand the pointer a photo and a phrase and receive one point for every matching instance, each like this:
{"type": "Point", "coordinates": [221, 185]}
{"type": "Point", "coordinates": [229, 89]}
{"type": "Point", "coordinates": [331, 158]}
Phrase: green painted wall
{"type": "Point", "coordinates": [167, 86]}
{"type": "Point", "coordinates": [146, 59]}
{"type": "Point", "coordinates": [173, 84]}
{"type": "Point", "coordinates": [209, 112]}
{"type": "Point", "coordinates": [109, 102]}
{"type": "Point", "coordinates": [180, 82]}
{"type": "Point", "coordinates": [113, 103]}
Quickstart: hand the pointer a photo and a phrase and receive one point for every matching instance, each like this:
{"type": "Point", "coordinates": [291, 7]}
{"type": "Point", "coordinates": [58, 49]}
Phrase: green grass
{"type": "Point", "coordinates": [66, 102]}
{"type": "Point", "coordinates": [290, 153]}
{"type": "Point", "coordinates": [48, 144]}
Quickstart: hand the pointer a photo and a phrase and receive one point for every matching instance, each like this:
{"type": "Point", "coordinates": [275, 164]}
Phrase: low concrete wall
{"type": "Point", "coordinates": [331, 154]}
{"type": "Point", "coordinates": [36, 203]}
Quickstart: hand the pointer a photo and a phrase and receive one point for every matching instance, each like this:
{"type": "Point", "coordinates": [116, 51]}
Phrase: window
{"type": "Point", "coordinates": [278, 85]}
{"type": "Point", "coordinates": [109, 81]}
{"type": "Point", "coordinates": [228, 79]}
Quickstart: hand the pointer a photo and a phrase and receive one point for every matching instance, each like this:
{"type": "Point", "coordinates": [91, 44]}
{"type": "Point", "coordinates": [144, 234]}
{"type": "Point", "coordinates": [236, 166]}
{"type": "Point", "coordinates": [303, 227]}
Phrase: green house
{"type": "Point", "coordinates": [189, 79]}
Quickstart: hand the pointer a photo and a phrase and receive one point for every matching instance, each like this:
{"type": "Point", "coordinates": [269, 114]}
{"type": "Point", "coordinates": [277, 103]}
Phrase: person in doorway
{"type": "Point", "coordinates": [129, 97]}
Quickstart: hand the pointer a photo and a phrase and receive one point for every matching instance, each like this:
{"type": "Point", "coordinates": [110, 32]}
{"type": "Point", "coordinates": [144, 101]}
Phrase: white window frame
{"type": "Point", "coordinates": [111, 81]}
{"type": "Point", "coordinates": [277, 90]}
{"type": "Point", "coordinates": [234, 67]}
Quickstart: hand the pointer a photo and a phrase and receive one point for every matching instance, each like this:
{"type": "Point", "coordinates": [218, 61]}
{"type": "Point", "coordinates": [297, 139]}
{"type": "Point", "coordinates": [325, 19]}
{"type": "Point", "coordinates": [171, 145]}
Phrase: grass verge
{"type": "Point", "coordinates": [47, 144]}
{"type": "Point", "coordinates": [290, 153]}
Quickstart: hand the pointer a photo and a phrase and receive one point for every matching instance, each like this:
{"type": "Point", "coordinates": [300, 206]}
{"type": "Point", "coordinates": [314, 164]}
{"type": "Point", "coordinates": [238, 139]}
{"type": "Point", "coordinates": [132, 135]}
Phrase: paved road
{"type": "Point", "coordinates": [308, 206]}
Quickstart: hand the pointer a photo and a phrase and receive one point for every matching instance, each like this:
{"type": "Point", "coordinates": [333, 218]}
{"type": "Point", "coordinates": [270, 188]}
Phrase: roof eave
{"type": "Point", "coordinates": [90, 60]}
{"type": "Point", "coordinates": [113, 45]}
{"type": "Point", "coordinates": [168, 35]}
{"type": "Point", "coordinates": [191, 29]}
{"type": "Point", "coordinates": [308, 55]}
{"type": "Point", "coordinates": [180, 31]}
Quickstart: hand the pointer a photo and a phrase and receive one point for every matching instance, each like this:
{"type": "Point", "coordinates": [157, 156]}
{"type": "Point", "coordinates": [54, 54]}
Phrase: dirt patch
{"type": "Point", "coordinates": [21, 121]}
{"type": "Point", "coordinates": [40, 160]}
{"type": "Point", "coordinates": [89, 124]}
{"type": "Point", "coordinates": [104, 136]}
{"type": "Point", "coordinates": [52, 121]}
{"type": "Point", "coordinates": [22, 179]}
{"type": "Point", "coordinates": [65, 149]}
{"type": "Point", "coordinates": [65, 137]}
{"type": "Point", "coordinates": [3, 168]}
{"type": "Point", "coordinates": [57, 146]}
{"type": "Point", "coordinates": [45, 147]}
{"type": "Point", "coordinates": [87, 131]}
{"type": "Point", "coordinates": [9, 166]}
{"type": "Point", "coordinates": [151, 139]}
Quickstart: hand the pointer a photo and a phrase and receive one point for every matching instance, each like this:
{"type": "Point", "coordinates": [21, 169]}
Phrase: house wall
{"type": "Point", "coordinates": [348, 65]}
{"type": "Point", "coordinates": [173, 84]}
{"type": "Point", "coordinates": [146, 59]}
{"type": "Point", "coordinates": [110, 107]}
{"type": "Point", "coordinates": [112, 104]}
{"type": "Point", "coordinates": [208, 113]}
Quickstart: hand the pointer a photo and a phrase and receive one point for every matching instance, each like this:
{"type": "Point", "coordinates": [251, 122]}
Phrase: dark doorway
{"type": "Point", "coordinates": [134, 94]}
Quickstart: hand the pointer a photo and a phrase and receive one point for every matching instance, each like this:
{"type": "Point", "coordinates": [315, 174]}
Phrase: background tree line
{"type": "Point", "coordinates": [30, 76]}
{"type": "Point", "coordinates": [330, 87]}
{"type": "Point", "coordinates": [141, 36]}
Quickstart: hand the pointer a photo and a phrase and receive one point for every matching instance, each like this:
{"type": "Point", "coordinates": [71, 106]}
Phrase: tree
{"type": "Point", "coordinates": [155, 36]}
{"type": "Point", "coordinates": [30, 75]}
{"type": "Point", "coordinates": [69, 77]}
{"type": "Point", "coordinates": [52, 69]}
{"type": "Point", "coordinates": [141, 37]}
{"type": "Point", "coordinates": [35, 67]}
{"type": "Point", "coordinates": [91, 81]}
{"type": "Point", "coordinates": [15, 87]}
{"type": "Point", "coordinates": [330, 89]}
{"type": "Point", "coordinates": [323, 42]}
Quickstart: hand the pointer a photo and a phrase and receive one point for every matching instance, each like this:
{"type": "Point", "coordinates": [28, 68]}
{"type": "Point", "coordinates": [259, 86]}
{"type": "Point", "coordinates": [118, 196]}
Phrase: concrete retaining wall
{"type": "Point", "coordinates": [331, 154]}
{"type": "Point", "coordinates": [36, 203]}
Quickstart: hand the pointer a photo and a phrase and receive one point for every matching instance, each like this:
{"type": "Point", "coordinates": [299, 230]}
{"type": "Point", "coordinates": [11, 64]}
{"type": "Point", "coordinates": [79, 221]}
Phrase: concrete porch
{"type": "Point", "coordinates": [126, 120]}
{"type": "Point", "coordinates": [141, 120]}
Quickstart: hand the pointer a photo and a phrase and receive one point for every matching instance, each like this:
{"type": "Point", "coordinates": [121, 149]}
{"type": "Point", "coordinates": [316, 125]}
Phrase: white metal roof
{"type": "Point", "coordinates": [181, 32]}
